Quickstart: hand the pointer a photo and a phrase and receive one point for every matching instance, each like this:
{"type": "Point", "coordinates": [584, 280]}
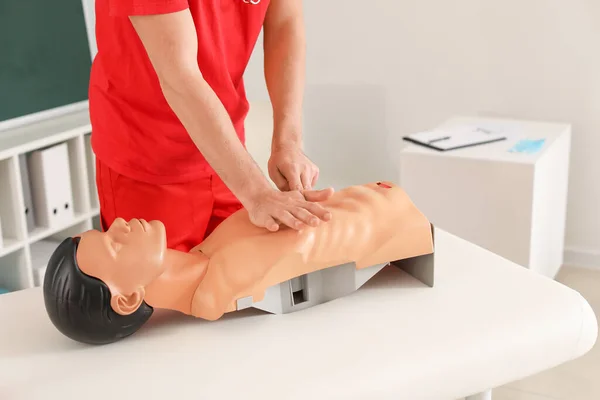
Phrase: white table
{"type": "Point", "coordinates": [486, 322]}
{"type": "Point", "coordinates": [513, 204]}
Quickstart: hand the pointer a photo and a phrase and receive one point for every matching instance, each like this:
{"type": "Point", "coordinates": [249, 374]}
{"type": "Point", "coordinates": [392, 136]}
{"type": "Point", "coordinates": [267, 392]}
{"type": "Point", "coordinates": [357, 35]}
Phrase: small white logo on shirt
{"type": "Point", "coordinates": [251, 1]}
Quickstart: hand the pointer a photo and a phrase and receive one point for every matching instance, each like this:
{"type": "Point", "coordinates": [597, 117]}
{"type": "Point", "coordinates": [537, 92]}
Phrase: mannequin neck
{"type": "Point", "coordinates": [174, 289]}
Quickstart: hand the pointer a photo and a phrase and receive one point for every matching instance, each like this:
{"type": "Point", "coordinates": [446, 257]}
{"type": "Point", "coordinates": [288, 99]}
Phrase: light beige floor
{"type": "Point", "coordinates": [577, 380]}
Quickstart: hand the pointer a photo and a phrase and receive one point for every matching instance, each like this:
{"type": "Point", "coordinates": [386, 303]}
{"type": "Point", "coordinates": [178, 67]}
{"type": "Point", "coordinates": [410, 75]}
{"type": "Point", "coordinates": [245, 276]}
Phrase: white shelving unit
{"type": "Point", "coordinates": [26, 248]}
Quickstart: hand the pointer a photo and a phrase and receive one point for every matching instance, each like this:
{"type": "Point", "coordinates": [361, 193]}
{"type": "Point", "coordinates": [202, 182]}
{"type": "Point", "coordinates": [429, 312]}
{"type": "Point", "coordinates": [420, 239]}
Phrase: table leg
{"type": "Point", "coordinates": [487, 395]}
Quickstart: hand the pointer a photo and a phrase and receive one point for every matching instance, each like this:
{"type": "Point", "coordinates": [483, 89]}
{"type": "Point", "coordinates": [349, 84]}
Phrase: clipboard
{"type": "Point", "coordinates": [456, 138]}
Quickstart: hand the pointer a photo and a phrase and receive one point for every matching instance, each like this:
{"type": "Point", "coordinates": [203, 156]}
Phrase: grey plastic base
{"type": "Point", "coordinates": [331, 283]}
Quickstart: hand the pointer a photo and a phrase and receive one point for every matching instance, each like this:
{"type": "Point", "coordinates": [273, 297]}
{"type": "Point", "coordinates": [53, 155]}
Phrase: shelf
{"type": "Point", "coordinates": [39, 233]}
{"type": "Point", "coordinates": [10, 245]}
{"type": "Point", "coordinates": [47, 193]}
{"type": "Point", "coordinates": [44, 133]}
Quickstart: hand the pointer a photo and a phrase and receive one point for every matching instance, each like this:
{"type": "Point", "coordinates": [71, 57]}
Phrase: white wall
{"type": "Point", "coordinates": [378, 69]}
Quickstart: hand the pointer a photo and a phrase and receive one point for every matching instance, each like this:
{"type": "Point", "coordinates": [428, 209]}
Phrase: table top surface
{"type": "Point", "coordinates": [393, 336]}
{"type": "Point", "coordinates": [498, 151]}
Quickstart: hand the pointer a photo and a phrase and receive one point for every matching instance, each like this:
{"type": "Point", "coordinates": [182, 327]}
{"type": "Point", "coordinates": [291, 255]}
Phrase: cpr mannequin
{"type": "Point", "coordinates": [103, 286]}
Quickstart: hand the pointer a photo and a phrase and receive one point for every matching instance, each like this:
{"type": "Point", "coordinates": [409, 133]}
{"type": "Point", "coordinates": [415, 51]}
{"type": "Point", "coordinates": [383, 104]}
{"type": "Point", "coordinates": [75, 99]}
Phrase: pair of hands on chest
{"type": "Point", "coordinates": [295, 205]}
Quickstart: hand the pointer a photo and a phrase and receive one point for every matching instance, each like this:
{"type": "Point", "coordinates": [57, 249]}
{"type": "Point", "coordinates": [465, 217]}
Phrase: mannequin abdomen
{"type": "Point", "coordinates": [349, 235]}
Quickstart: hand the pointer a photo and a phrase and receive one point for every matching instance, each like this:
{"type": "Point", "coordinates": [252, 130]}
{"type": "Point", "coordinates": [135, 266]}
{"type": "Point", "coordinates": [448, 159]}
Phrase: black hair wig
{"type": "Point", "coordinates": [79, 305]}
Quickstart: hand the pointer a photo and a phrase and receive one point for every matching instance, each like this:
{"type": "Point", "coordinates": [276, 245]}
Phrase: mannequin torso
{"type": "Point", "coordinates": [370, 224]}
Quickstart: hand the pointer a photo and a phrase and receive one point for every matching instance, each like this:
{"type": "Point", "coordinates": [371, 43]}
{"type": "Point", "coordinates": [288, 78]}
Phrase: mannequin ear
{"type": "Point", "coordinates": [126, 305]}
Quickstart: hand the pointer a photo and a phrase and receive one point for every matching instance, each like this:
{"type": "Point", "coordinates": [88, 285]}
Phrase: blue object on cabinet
{"type": "Point", "coordinates": [528, 146]}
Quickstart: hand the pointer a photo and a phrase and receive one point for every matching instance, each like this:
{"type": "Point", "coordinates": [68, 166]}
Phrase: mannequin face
{"type": "Point", "coordinates": [127, 257]}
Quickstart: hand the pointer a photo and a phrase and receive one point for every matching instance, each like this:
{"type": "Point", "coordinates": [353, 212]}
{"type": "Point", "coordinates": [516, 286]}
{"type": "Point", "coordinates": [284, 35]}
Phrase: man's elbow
{"type": "Point", "coordinates": [180, 81]}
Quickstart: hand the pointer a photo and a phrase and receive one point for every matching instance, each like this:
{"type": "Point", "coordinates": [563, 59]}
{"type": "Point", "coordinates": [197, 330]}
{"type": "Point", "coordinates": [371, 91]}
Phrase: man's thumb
{"type": "Point", "coordinates": [318, 195]}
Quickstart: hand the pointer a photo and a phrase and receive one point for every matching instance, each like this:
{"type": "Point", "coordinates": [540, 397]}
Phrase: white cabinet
{"type": "Point", "coordinates": [512, 203]}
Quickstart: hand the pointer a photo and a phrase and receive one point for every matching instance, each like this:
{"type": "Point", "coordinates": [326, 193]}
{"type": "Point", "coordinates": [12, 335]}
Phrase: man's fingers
{"type": "Point", "coordinates": [318, 210]}
{"type": "Point", "coordinates": [305, 178]}
{"type": "Point", "coordinates": [294, 182]}
{"type": "Point", "coordinates": [265, 221]}
{"type": "Point", "coordinates": [271, 224]}
{"type": "Point", "coordinates": [286, 218]}
{"type": "Point", "coordinates": [291, 173]}
{"type": "Point", "coordinates": [315, 177]}
{"type": "Point", "coordinates": [279, 180]}
{"type": "Point", "coordinates": [306, 216]}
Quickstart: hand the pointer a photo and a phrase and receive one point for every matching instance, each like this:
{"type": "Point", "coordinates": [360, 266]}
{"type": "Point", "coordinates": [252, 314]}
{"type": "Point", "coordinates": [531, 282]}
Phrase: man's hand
{"type": "Point", "coordinates": [290, 169]}
{"type": "Point", "coordinates": [284, 64]}
{"type": "Point", "coordinates": [296, 209]}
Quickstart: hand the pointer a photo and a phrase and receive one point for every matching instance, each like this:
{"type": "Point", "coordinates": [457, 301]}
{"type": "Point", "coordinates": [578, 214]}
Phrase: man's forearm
{"type": "Point", "coordinates": [284, 47]}
{"type": "Point", "coordinates": [210, 127]}
{"type": "Point", "coordinates": [172, 46]}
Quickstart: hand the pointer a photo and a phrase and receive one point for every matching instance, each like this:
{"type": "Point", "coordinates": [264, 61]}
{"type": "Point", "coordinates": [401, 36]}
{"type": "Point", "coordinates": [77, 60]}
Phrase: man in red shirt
{"type": "Point", "coordinates": [168, 104]}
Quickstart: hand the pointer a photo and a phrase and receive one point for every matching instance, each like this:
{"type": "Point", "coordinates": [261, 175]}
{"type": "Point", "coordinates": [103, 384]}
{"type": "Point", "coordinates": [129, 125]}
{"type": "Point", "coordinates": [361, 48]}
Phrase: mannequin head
{"type": "Point", "coordinates": [127, 257]}
{"type": "Point", "coordinates": [81, 293]}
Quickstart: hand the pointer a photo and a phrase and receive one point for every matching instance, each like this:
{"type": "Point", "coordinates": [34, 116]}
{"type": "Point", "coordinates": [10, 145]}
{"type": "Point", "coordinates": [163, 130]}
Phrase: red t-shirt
{"type": "Point", "coordinates": [134, 130]}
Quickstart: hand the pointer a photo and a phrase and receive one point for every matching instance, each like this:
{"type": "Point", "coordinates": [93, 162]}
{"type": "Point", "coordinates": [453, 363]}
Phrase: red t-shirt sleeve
{"type": "Point", "coordinates": [126, 8]}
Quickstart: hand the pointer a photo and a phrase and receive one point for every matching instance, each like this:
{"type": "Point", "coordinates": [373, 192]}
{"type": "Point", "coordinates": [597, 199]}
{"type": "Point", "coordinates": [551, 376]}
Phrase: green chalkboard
{"type": "Point", "coordinates": [44, 56]}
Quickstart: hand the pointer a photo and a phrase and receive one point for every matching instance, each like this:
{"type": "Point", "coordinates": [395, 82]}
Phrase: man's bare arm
{"type": "Point", "coordinates": [284, 47]}
{"type": "Point", "coordinates": [172, 46]}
